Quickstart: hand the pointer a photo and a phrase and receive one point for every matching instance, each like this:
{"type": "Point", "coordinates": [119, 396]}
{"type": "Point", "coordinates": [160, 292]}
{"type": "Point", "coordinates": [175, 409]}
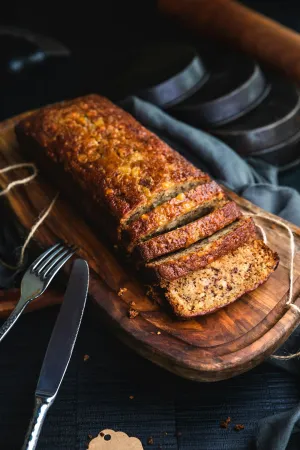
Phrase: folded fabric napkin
{"type": "Point", "coordinates": [258, 182]}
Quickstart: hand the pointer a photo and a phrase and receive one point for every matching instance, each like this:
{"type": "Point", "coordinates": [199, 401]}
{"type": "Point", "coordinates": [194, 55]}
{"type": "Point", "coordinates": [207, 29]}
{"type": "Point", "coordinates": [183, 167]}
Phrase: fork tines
{"type": "Point", "coordinates": [54, 258]}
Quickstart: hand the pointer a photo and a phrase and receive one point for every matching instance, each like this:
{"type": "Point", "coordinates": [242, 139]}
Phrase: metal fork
{"type": "Point", "coordinates": [36, 280]}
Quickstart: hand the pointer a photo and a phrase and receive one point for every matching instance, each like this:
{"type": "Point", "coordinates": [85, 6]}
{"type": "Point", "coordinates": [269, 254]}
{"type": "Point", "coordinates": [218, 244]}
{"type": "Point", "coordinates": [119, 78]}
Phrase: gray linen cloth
{"type": "Point", "coordinates": [257, 182]}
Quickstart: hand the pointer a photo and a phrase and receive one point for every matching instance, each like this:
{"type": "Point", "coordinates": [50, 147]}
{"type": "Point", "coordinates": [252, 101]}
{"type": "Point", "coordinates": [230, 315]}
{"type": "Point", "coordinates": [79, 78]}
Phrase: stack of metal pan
{"type": "Point", "coordinates": [256, 112]}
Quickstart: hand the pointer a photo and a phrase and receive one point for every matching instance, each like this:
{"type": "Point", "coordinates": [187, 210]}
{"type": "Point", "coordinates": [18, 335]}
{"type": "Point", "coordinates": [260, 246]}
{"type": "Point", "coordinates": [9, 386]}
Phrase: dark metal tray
{"type": "Point", "coordinates": [284, 155]}
{"type": "Point", "coordinates": [167, 73]}
{"type": "Point", "coordinates": [275, 120]}
{"type": "Point", "coordinates": [235, 86]}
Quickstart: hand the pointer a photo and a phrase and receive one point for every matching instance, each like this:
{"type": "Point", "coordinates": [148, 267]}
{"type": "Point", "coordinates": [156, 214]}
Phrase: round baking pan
{"type": "Point", "coordinates": [284, 155]}
{"type": "Point", "coordinates": [166, 74]}
{"type": "Point", "coordinates": [274, 120]}
{"type": "Point", "coordinates": [235, 86]}
{"type": "Point", "coordinates": [23, 49]}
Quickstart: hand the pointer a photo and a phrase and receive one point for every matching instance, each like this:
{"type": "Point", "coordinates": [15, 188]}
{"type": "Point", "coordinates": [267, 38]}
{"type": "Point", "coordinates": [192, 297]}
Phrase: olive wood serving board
{"type": "Point", "coordinates": [209, 348]}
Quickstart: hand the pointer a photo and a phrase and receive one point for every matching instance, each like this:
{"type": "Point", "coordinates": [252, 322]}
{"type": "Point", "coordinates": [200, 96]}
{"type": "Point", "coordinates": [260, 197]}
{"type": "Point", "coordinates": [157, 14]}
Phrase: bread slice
{"type": "Point", "coordinates": [165, 195]}
{"type": "Point", "coordinates": [181, 209]}
{"type": "Point", "coordinates": [221, 282]}
{"type": "Point", "coordinates": [187, 235]}
{"type": "Point", "coordinates": [204, 252]}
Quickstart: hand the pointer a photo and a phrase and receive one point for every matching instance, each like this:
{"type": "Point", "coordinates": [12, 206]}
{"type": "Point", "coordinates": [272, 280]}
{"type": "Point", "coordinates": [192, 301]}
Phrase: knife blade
{"type": "Point", "coordinates": [59, 349]}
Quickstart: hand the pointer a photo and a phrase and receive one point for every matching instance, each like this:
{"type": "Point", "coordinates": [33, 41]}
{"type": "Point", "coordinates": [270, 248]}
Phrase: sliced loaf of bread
{"type": "Point", "coordinates": [221, 282]}
{"type": "Point", "coordinates": [190, 233]}
{"type": "Point", "coordinates": [177, 211]}
{"type": "Point", "coordinates": [126, 180]}
{"type": "Point", "coordinates": [204, 252]}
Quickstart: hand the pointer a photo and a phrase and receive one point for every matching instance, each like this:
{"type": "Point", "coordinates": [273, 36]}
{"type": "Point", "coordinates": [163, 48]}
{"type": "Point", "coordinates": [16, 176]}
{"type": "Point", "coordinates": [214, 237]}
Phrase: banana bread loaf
{"type": "Point", "coordinates": [135, 185]}
{"type": "Point", "coordinates": [187, 235]}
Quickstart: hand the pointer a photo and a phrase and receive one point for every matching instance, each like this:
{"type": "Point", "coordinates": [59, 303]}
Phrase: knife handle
{"type": "Point", "coordinates": [39, 413]}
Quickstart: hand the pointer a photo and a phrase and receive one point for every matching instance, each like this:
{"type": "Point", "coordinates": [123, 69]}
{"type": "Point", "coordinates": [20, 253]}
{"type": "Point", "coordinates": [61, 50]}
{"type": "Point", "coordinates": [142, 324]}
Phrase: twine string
{"type": "Point", "coordinates": [289, 303]}
{"type": "Point", "coordinates": [40, 220]}
{"type": "Point", "coordinates": [25, 180]}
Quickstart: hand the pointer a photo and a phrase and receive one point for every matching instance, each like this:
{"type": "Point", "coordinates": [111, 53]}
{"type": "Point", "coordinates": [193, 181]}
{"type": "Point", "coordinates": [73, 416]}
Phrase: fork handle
{"type": "Point", "coordinates": [41, 408]}
{"type": "Point", "coordinates": [21, 305]}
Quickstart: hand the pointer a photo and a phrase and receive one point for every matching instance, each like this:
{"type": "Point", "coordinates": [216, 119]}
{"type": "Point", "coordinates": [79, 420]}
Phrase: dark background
{"type": "Point", "coordinates": [104, 39]}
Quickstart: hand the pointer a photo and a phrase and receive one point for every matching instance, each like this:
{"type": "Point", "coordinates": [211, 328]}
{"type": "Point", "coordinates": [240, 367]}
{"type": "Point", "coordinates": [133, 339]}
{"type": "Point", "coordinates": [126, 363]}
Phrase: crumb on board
{"type": "Point", "coordinates": [158, 332]}
{"type": "Point", "coordinates": [239, 427]}
{"type": "Point", "coordinates": [86, 358]}
{"type": "Point", "coordinates": [225, 423]}
{"type": "Point", "coordinates": [132, 303]}
{"type": "Point", "coordinates": [150, 292]}
{"type": "Point", "coordinates": [150, 441]}
{"type": "Point", "coordinates": [131, 397]}
{"type": "Point", "coordinates": [132, 313]}
{"type": "Point", "coordinates": [116, 248]}
{"type": "Point", "coordinates": [122, 291]}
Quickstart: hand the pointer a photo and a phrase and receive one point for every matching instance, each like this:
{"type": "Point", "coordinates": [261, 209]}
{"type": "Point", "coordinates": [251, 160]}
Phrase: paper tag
{"type": "Point", "coordinates": [114, 440]}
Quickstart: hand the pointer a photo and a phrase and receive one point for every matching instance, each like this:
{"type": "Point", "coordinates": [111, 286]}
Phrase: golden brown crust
{"type": "Point", "coordinates": [113, 157]}
{"type": "Point", "coordinates": [171, 268]}
{"type": "Point", "coordinates": [177, 207]}
{"type": "Point", "coordinates": [188, 234]}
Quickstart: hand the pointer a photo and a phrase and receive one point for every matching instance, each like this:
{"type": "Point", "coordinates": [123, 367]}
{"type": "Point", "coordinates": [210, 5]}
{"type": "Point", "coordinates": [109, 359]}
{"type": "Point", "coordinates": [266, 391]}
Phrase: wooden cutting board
{"type": "Point", "coordinates": [209, 348]}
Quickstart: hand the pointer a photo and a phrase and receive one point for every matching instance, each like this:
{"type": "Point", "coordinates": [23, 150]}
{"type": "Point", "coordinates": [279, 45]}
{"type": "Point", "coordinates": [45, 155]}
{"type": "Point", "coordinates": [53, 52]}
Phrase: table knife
{"type": "Point", "coordinates": [59, 349]}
